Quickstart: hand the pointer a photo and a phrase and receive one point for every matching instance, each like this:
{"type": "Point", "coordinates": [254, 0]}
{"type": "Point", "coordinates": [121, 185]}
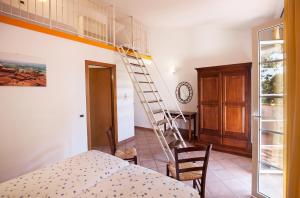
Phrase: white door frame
{"type": "Point", "coordinates": [255, 104]}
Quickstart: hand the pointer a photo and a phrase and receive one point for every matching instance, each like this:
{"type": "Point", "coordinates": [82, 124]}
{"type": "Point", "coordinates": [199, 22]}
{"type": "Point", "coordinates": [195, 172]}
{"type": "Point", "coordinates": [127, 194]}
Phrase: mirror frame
{"type": "Point", "coordinates": [190, 89]}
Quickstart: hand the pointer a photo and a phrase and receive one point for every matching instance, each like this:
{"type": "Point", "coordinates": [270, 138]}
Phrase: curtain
{"type": "Point", "coordinates": [292, 140]}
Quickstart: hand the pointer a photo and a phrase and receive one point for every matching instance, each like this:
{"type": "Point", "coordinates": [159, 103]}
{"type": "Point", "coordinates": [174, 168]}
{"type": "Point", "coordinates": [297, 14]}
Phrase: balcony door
{"type": "Point", "coordinates": [268, 113]}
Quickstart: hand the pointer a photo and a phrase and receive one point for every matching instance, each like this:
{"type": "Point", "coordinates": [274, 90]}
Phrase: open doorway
{"type": "Point", "coordinates": [101, 103]}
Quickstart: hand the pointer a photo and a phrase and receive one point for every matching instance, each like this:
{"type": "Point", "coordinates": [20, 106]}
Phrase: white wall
{"type": "Point", "coordinates": [178, 52]}
{"type": "Point", "coordinates": [41, 125]}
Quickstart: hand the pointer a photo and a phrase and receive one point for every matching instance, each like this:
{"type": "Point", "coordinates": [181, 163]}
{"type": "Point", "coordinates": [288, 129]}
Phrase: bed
{"type": "Point", "coordinates": [95, 174]}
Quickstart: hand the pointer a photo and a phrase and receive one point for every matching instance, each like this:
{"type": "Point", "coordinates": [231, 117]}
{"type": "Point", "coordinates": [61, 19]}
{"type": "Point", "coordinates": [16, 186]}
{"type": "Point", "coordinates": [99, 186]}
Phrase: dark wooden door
{"type": "Point", "coordinates": [101, 112]}
{"type": "Point", "coordinates": [235, 108]}
{"type": "Point", "coordinates": [210, 107]}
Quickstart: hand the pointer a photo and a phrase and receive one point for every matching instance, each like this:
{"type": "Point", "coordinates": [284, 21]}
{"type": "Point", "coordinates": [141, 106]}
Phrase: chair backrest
{"type": "Point", "coordinates": [111, 139]}
{"type": "Point", "coordinates": [197, 167]}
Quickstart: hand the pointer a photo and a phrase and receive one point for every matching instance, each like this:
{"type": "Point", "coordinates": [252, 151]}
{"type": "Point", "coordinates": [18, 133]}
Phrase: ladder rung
{"type": "Point", "coordinates": [161, 122]}
{"type": "Point", "coordinates": [175, 143]}
{"type": "Point", "coordinates": [145, 82]}
{"type": "Point", "coordinates": [132, 56]}
{"type": "Point", "coordinates": [157, 111]}
{"type": "Point", "coordinates": [127, 48]}
{"type": "Point", "coordinates": [141, 73]}
{"type": "Point", "coordinates": [169, 132]}
{"type": "Point", "coordinates": [150, 91]}
{"type": "Point", "coordinates": [153, 101]}
{"type": "Point", "coordinates": [136, 65]}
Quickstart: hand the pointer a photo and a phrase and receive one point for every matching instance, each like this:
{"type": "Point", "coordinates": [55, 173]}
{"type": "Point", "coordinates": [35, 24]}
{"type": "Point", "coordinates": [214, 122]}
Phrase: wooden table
{"type": "Point", "coordinates": [189, 116]}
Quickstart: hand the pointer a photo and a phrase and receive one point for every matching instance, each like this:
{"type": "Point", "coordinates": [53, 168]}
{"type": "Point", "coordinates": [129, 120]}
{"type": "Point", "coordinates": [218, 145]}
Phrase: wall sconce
{"type": "Point", "coordinates": [173, 70]}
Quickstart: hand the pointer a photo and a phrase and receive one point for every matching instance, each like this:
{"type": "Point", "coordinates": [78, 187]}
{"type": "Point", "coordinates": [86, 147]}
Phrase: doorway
{"type": "Point", "coordinates": [268, 108]}
{"type": "Point", "coordinates": [101, 103]}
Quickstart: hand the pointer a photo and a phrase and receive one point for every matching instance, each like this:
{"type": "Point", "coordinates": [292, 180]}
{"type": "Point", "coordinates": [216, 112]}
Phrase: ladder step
{"type": "Point", "coordinates": [145, 82]}
{"type": "Point", "coordinates": [127, 48]}
{"type": "Point", "coordinates": [174, 143]}
{"type": "Point", "coordinates": [132, 56]}
{"type": "Point", "coordinates": [169, 132]}
{"type": "Point", "coordinates": [157, 111]}
{"type": "Point", "coordinates": [161, 122]}
{"type": "Point", "coordinates": [152, 101]}
{"type": "Point", "coordinates": [150, 91]}
{"type": "Point", "coordinates": [141, 73]}
{"type": "Point", "coordinates": [136, 65]}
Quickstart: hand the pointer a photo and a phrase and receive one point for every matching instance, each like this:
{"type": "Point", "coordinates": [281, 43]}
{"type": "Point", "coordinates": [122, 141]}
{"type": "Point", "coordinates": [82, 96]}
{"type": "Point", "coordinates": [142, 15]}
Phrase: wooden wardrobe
{"type": "Point", "coordinates": [224, 106]}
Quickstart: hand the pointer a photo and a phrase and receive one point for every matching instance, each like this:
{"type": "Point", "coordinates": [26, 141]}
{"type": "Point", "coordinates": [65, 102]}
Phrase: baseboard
{"type": "Point", "coordinates": [126, 140]}
{"type": "Point", "coordinates": [143, 128]}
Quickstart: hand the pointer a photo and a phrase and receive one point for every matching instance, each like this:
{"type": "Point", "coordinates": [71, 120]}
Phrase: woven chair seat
{"type": "Point", "coordinates": [127, 154]}
{"type": "Point", "coordinates": [192, 175]}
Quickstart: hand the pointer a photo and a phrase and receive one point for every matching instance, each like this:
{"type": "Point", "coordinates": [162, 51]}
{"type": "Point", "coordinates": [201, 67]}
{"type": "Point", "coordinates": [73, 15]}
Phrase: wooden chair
{"type": "Point", "coordinates": [128, 155]}
{"type": "Point", "coordinates": [187, 169]}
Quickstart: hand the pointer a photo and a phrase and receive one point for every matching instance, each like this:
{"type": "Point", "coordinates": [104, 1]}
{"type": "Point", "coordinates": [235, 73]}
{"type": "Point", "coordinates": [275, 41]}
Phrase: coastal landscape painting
{"type": "Point", "coordinates": [18, 73]}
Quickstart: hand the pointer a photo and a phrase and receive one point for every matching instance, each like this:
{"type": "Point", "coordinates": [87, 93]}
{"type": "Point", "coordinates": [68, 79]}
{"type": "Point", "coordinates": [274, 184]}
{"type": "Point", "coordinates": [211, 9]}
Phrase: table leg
{"type": "Point", "coordinates": [190, 128]}
{"type": "Point", "coordinates": [165, 126]}
{"type": "Point", "coordinates": [195, 126]}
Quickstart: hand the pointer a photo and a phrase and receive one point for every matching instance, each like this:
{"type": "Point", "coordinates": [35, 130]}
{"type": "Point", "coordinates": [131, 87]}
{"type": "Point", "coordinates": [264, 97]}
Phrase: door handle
{"type": "Point", "coordinates": [256, 115]}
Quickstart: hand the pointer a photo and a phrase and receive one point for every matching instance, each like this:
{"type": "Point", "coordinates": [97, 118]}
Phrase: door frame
{"type": "Point", "coordinates": [255, 138]}
{"type": "Point", "coordinates": [114, 98]}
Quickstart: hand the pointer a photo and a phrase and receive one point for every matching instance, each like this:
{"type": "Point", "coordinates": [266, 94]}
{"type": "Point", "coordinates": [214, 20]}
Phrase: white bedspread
{"type": "Point", "coordinates": [94, 174]}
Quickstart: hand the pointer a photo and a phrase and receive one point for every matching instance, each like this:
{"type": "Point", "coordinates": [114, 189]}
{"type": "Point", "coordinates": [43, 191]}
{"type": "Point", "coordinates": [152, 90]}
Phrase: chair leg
{"type": "Point", "coordinates": [167, 170]}
{"type": "Point", "coordinates": [135, 160]}
{"type": "Point", "coordinates": [194, 184]}
{"type": "Point", "coordinates": [202, 193]}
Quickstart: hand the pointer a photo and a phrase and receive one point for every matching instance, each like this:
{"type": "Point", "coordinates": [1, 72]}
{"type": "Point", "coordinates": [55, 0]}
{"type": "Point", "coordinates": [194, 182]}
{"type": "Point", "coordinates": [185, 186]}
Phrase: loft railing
{"type": "Point", "coordinates": [86, 18]}
{"type": "Point", "coordinates": [91, 19]}
{"type": "Point", "coordinates": [131, 32]}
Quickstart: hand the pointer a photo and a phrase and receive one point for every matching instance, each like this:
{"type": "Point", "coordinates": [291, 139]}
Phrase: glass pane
{"type": "Point", "coordinates": [271, 111]}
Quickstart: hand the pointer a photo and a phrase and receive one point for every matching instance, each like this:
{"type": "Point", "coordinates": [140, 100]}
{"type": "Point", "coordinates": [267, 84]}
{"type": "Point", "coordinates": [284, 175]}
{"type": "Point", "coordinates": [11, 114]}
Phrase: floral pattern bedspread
{"type": "Point", "coordinates": [94, 174]}
{"type": "Point", "coordinates": [136, 181]}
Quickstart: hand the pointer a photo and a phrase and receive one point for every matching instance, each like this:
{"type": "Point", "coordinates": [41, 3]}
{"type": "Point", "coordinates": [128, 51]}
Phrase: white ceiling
{"type": "Point", "coordinates": [187, 13]}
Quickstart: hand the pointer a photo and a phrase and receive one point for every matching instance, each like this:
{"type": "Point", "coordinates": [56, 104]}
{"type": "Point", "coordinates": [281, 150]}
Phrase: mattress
{"type": "Point", "coordinates": [95, 174]}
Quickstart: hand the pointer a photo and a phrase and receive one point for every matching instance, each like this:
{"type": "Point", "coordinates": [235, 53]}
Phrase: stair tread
{"type": "Point", "coordinates": [150, 91]}
{"type": "Point", "coordinates": [127, 48]}
{"type": "Point", "coordinates": [142, 73]}
{"type": "Point", "coordinates": [169, 132]}
{"type": "Point", "coordinates": [136, 65]}
{"type": "Point", "coordinates": [161, 122]}
{"type": "Point", "coordinates": [145, 82]}
{"type": "Point", "coordinates": [132, 56]}
{"type": "Point", "coordinates": [157, 111]}
{"type": "Point", "coordinates": [153, 101]}
{"type": "Point", "coordinates": [175, 143]}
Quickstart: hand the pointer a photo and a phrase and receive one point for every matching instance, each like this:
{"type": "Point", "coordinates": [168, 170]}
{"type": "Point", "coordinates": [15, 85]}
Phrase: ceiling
{"type": "Point", "coordinates": [188, 13]}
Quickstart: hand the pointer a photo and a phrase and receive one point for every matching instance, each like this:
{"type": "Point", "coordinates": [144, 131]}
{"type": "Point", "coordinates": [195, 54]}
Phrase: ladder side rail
{"type": "Point", "coordinates": [156, 94]}
{"type": "Point", "coordinates": [173, 123]}
{"type": "Point", "coordinates": [135, 81]}
{"type": "Point", "coordinates": [166, 147]}
{"type": "Point", "coordinates": [164, 144]}
{"type": "Point", "coordinates": [167, 114]}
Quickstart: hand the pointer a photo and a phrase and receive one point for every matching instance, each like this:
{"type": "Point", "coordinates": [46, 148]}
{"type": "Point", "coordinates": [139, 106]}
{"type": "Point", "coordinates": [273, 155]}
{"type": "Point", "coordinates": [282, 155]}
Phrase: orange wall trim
{"type": "Point", "coordinates": [45, 30]}
{"type": "Point", "coordinates": [37, 28]}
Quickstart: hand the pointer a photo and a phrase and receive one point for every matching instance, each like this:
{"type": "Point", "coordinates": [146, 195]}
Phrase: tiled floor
{"type": "Point", "coordinates": [228, 175]}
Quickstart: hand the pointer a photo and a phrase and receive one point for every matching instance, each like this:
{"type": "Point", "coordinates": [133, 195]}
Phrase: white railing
{"type": "Point", "coordinates": [131, 32]}
{"type": "Point", "coordinates": [92, 19]}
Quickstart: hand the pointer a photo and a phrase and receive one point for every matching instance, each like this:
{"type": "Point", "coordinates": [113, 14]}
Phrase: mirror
{"type": "Point", "coordinates": [184, 92]}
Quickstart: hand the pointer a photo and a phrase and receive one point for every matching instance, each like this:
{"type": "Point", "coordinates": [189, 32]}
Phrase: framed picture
{"type": "Point", "coordinates": [20, 70]}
